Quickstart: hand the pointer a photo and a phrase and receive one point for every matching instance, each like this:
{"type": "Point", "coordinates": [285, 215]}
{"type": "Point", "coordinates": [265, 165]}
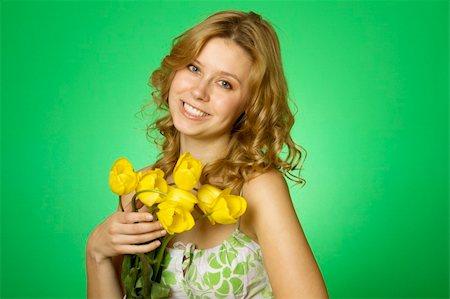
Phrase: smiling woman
{"type": "Point", "coordinates": [224, 94]}
{"type": "Point", "coordinates": [207, 97]}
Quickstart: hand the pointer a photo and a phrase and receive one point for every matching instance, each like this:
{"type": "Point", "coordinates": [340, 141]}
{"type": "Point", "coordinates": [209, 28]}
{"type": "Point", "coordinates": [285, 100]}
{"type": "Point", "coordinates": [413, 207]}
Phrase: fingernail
{"type": "Point", "coordinates": [163, 233]}
{"type": "Point", "coordinates": [158, 243]}
{"type": "Point", "coordinates": [150, 217]}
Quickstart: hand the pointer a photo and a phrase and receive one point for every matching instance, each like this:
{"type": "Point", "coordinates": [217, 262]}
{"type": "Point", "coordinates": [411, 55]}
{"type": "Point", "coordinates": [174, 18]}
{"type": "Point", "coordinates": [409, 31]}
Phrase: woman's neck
{"type": "Point", "coordinates": [204, 150]}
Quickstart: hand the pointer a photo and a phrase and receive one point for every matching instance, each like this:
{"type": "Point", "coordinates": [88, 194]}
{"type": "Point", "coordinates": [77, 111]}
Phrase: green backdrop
{"type": "Point", "coordinates": [370, 80]}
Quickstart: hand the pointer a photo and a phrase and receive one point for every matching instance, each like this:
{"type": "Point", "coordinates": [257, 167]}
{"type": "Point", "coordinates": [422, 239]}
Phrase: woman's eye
{"type": "Point", "coordinates": [193, 68]}
{"type": "Point", "coordinates": [225, 84]}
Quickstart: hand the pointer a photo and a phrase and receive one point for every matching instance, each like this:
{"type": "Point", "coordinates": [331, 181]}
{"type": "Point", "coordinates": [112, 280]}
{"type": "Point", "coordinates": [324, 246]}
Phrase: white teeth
{"type": "Point", "coordinates": [194, 111]}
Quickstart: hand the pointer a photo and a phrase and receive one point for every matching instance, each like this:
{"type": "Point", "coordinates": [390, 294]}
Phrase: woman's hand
{"type": "Point", "coordinates": [124, 233]}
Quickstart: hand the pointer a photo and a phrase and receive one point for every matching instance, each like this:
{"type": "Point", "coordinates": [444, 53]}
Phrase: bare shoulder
{"type": "Point", "coordinates": [271, 181]}
{"type": "Point", "coordinates": [267, 197]}
{"type": "Point", "coordinates": [271, 220]}
{"type": "Point", "coordinates": [268, 192]}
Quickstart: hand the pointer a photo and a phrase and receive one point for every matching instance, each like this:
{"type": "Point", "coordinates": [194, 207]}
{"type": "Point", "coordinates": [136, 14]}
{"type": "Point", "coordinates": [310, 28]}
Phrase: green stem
{"type": "Point", "coordinates": [203, 216]}
{"type": "Point", "coordinates": [145, 274]}
{"type": "Point", "coordinates": [150, 190]}
{"type": "Point", "coordinates": [133, 204]}
{"type": "Point", "coordinates": [152, 209]}
{"type": "Point", "coordinates": [133, 200]}
{"type": "Point", "coordinates": [120, 204]}
{"type": "Point", "coordinates": [159, 257]}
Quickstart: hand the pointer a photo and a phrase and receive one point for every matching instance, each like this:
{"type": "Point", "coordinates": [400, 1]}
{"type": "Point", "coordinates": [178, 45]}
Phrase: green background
{"type": "Point", "coordinates": [370, 80]}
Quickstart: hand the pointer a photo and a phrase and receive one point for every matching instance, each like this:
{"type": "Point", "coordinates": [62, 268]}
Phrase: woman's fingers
{"type": "Point", "coordinates": [137, 239]}
{"type": "Point", "coordinates": [138, 228]}
{"type": "Point", "coordinates": [133, 217]}
{"type": "Point", "coordinates": [144, 248]}
{"type": "Point", "coordinates": [125, 233]}
{"type": "Point", "coordinates": [134, 223]}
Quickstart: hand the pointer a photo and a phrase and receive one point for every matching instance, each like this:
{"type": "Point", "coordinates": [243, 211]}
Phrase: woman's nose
{"type": "Point", "coordinates": [200, 90]}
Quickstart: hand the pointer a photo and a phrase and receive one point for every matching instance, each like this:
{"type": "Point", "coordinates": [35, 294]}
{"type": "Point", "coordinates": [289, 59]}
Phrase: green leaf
{"type": "Point", "coordinates": [145, 277]}
{"type": "Point", "coordinates": [166, 260]}
{"type": "Point", "coordinates": [134, 261]}
{"type": "Point", "coordinates": [160, 291]}
{"type": "Point", "coordinates": [169, 278]}
{"type": "Point", "coordinates": [136, 293]}
{"type": "Point", "coordinates": [126, 265]}
{"type": "Point", "coordinates": [130, 281]}
{"type": "Point", "coordinates": [139, 283]}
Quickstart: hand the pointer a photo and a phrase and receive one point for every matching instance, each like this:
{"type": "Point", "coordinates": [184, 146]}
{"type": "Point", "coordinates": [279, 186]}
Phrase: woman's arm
{"type": "Point", "coordinates": [272, 220]}
{"type": "Point", "coordinates": [110, 240]}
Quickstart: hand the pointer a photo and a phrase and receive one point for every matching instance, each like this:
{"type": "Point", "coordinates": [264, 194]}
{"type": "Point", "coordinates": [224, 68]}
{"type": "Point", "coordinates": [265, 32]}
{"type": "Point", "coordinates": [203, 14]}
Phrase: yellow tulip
{"type": "Point", "coordinates": [173, 218]}
{"type": "Point", "coordinates": [207, 195]}
{"type": "Point", "coordinates": [151, 180]}
{"type": "Point", "coordinates": [182, 199]}
{"type": "Point", "coordinates": [220, 206]}
{"type": "Point", "coordinates": [187, 171]}
{"type": "Point", "coordinates": [122, 178]}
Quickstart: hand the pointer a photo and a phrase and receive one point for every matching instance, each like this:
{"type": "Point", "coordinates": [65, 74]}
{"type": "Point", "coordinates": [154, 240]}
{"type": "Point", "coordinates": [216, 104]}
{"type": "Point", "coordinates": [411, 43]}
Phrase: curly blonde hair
{"type": "Point", "coordinates": [260, 138]}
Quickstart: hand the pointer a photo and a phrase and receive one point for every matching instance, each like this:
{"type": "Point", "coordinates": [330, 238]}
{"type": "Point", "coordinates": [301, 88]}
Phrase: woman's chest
{"type": "Point", "coordinates": [233, 269]}
{"type": "Point", "coordinates": [204, 234]}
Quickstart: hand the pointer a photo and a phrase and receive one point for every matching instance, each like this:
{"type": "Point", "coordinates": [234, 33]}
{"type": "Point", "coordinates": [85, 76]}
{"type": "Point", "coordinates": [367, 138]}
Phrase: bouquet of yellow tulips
{"type": "Point", "coordinates": [172, 206]}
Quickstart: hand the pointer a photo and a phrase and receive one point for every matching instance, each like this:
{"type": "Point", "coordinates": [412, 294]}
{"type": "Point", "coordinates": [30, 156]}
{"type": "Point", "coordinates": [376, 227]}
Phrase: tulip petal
{"type": "Point", "coordinates": [174, 219]}
{"type": "Point", "coordinates": [207, 194]}
{"type": "Point", "coordinates": [151, 180]}
{"type": "Point", "coordinates": [187, 171]}
{"type": "Point", "coordinates": [182, 198]}
{"type": "Point", "coordinates": [221, 213]}
{"type": "Point", "coordinates": [185, 179]}
{"type": "Point", "coordinates": [165, 216]}
{"type": "Point", "coordinates": [122, 178]}
{"type": "Point", "coordinates": [237, 205]}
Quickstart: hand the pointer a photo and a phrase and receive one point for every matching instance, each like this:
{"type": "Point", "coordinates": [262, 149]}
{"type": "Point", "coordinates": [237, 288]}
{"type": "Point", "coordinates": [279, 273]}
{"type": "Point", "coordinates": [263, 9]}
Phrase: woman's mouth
{"type": "Point", "coordinates": [193, 112]}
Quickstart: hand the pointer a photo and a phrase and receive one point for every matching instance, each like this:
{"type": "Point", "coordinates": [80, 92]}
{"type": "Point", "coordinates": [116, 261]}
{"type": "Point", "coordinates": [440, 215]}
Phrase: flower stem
{"type": "Point", "coordinates": [150, 190]}
{"type": "Point", "coordinates": [159, 257]}
{"type": "Point", "coordinates": [133, 200]}
{"type": "Point", "coordinates": [120, 204]}
{"type": "Point", "coordinates": [201, 217]}
{"type": "Point", "coordinates": [145, 266]}
{"type": "Point", "coordinates": [133, 203]}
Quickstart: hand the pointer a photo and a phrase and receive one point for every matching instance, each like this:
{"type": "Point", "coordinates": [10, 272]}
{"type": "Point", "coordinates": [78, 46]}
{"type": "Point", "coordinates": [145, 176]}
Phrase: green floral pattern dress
{"type": "Point", "coordinates": [233, 269]}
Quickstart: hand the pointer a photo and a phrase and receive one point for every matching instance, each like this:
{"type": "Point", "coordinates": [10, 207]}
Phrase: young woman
{"type": "Point", "coordinates": [224, 94]}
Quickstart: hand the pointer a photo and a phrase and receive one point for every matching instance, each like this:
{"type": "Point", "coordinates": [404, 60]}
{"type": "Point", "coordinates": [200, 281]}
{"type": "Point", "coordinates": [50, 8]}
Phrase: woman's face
{"type": "Point", "coordinates": [208, 95]}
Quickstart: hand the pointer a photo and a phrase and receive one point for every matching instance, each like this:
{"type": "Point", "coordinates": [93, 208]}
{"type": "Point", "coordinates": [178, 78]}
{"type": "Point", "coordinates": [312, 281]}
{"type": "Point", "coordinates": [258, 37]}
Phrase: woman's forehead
{"type": "Point", "coordinates": [225, 56]}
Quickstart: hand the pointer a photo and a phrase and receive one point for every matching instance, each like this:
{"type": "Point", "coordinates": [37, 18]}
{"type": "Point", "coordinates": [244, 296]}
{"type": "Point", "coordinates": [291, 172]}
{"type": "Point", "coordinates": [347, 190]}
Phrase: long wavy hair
{"type": "Point", "coordinates": [260, 138]}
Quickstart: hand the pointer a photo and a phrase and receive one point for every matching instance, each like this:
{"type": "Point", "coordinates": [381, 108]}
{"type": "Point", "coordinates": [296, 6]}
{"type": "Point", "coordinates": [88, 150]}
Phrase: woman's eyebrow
{"type": "Point", "coordinates": [230, 75]}
{"type": "Point", "coordinates": [221, 72]}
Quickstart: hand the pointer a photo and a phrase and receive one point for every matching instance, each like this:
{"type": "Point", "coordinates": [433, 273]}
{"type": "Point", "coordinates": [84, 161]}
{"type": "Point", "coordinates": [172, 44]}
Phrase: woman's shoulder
{"type": "Point", "coordinates": [267, 196]}
{"type": "Point", "coordinates": [265, 184]}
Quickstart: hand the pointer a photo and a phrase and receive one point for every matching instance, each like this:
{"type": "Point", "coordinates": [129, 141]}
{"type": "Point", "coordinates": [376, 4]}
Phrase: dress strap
{"type": "Point", "coordinates": [239, 219]}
